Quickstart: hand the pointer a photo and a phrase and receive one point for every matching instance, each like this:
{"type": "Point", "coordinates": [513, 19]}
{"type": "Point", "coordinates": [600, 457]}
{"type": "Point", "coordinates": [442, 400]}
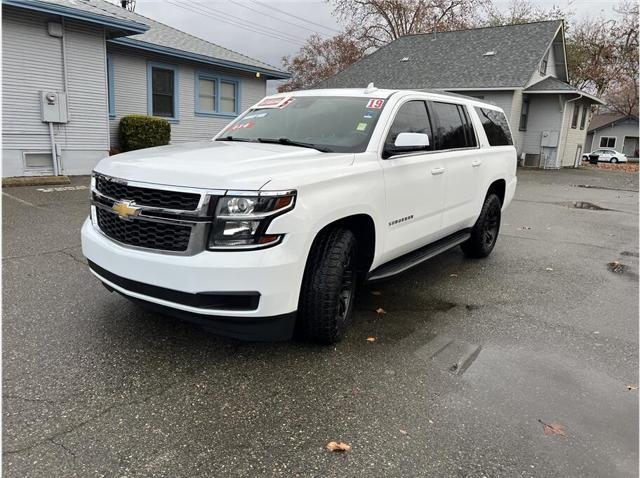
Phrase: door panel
{"type": "Point", "coordinates": [414, 185]}
{"type": "Point", "coordinates": [415, 198]}
{"type": "Point", "coordinates": [463, 165]}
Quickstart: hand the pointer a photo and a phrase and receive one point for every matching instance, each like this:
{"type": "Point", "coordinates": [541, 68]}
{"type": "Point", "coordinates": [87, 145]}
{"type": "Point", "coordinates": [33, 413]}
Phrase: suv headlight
{"type": "Point", "coordinates": [242, 218]}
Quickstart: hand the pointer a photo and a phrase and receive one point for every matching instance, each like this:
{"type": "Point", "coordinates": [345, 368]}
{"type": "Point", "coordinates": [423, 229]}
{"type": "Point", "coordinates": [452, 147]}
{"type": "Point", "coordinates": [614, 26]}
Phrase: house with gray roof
{"type": "Point", "coordinates": [73, 68]}
{"type": "Point", "coordinates": [521, 68]}
{"type": "Point", "coordinates": [613, 131]}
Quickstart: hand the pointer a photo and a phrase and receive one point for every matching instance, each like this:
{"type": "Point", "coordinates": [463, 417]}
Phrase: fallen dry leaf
{"type": "Point", "coordinates": [453, 275]}
{"type": "Point", "coordinates": [371, 339]}
{"type": "Point", "coordinates": [404, 432]}
{"type": "Point", "coordinates": [338, 446]}
{"type": "Point", "coordinates": [380, 311]}
{"type": "Point", "coordinates": [549, 269]}
{"type": "Point", "coordinates": [376, 292]}
{"type": "Point", "coordinates": [553, 429]}
{"type": "Point", "coordinates": [632, 387]}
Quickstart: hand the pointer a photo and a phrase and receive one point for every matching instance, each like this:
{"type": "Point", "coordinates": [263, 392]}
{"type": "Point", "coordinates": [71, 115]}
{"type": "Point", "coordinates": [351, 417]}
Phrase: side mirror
{"type": "Point", "coordinates": [406, 143]}
{"type": "Point", "coordinates": [412, 140]}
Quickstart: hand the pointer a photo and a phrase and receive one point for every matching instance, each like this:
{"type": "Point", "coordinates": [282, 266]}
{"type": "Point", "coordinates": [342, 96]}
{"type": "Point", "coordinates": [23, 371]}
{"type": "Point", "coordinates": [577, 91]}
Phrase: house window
{"type": "Point", "coordinates": [576, 114]}
{"type": "Point", "coordinates": [228, 97]}
{"type": "Point", "coordinates": [162, 90]}
{"type": "Point", "coordinates": [110, 88]}
{"type": "Point", "coordinates": [524, 114]}
{"type": "Point", "coordinates": [206, 95]}
{"type": "Point", "coordinates": [608, 142]}
{"type": "Point", "coordinates": [583, 118]}
{"type": "Point", "coordinates": [216, 96]}
{"type": "Point", "coordinates": [543, 64]}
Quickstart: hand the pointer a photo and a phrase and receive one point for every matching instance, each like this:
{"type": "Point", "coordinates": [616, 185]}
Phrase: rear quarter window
{"type": "Point", "coordinates": [495, 126]}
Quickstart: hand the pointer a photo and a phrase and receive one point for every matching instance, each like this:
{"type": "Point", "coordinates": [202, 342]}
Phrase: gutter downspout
{"type": "Point", "coordinates": [57, 167]}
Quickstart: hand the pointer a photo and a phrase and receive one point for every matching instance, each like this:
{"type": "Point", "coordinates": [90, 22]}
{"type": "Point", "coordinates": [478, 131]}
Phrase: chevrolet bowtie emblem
{"type": "Point", "coordinates": [126, 209]}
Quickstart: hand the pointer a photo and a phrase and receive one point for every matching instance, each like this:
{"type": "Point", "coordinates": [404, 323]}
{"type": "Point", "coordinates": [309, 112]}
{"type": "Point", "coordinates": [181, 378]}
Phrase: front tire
{"type": "Point", "coordinates": [484, 233]}
{"type": "Point", "coordinates": [614, 160]}
{"type": "Point", "coordinates": [328, 287]}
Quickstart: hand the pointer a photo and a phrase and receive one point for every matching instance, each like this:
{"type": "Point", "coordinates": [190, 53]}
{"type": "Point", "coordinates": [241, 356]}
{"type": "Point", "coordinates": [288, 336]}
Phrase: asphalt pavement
{"type": "Point", "coordinates": [517, 365]}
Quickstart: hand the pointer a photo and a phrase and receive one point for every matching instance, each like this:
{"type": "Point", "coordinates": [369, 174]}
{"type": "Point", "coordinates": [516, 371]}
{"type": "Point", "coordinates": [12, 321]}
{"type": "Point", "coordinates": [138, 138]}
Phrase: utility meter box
{"type": "Point", "coordinates": [550, 139]}
{"type": "Point", "coordinates": [54, 106]}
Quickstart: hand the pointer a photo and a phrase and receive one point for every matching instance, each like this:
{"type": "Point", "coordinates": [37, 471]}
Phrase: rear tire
{"type": "Point", "coordinates": [484, 233]}
{"type": "Point", "coordinates": [328, 287]}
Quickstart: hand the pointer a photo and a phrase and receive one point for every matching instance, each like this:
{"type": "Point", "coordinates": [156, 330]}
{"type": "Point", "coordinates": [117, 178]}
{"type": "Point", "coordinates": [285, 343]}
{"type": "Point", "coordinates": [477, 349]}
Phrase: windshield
{"type": "Point", "coordinates": [326, 123]}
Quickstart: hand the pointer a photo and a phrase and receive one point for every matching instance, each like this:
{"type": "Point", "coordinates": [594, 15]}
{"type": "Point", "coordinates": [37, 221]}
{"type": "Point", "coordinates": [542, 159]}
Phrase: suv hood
{"type": "Point", "coordinates": [218, 164]}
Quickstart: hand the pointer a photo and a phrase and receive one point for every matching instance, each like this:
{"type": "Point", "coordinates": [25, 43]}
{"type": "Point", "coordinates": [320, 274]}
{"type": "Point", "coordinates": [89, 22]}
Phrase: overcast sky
{"type": "Point", "coordinates": [270, 29]}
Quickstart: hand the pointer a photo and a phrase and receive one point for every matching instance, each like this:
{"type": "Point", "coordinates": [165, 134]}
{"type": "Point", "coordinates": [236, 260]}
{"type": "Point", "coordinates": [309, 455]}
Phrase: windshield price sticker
{"type": "Point", "coordinates": [375, 103]}
{"type": "Point", "coordinates": [275, 102]}
{"type": "Point", "coordinates": [247, 125]}
{"type": "Point", "coordinates": [286, 102]}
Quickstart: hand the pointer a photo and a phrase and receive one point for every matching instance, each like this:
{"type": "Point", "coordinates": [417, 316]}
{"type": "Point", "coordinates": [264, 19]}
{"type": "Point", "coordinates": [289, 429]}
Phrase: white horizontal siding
{"type": "Point", "coordinates": [130, 76]}
{"type": "Point", "coordinates": [573, 137]}
{"type": "Point", "coordinates": [545, 114]}
{"type": "Point", "coordinates": [87, 94]}
{"type": "Point", "coordinates": [31, 62]}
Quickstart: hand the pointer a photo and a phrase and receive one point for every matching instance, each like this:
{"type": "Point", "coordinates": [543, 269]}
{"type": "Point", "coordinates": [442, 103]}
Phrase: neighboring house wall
{"type": "Point", "coordinates": [130, 86]}
{"type": "Point", "coordinates": [544, 115]}
{"type": "Point", "coordinates": [627, 128]}
{"type": "Point", "coordinates": [33, 61]}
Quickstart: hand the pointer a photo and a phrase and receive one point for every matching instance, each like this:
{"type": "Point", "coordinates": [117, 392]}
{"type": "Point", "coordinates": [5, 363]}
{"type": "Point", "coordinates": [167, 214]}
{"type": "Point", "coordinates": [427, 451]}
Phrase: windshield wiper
{"type": "Point", "coordinates": [290, 142]}
{"type": "Point", "coordinates": [232, 138]}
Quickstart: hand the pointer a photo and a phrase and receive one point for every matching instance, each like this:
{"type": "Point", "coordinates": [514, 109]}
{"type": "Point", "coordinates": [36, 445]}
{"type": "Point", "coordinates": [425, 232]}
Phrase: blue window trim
{"type": "Point", "coordinates": [111, 87]}
{"type": "Point", "coordinates": [176, 89]}
{"type": "Point", "coordinates": [218, 79]}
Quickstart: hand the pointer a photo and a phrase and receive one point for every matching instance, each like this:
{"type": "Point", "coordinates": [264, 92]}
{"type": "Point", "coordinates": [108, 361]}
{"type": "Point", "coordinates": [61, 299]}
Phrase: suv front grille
{"type": "Point", "coordinates": [147, 197]}
{"type": "Point", "coordinates": [140, 233]}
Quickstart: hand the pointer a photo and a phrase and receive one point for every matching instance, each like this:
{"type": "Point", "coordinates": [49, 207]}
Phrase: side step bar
{"type": "Point", "coordinates": [413, 258]}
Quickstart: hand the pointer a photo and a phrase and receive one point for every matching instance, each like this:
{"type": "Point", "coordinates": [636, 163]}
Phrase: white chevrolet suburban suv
{"type": "Point", "coordinates": [269, 226]}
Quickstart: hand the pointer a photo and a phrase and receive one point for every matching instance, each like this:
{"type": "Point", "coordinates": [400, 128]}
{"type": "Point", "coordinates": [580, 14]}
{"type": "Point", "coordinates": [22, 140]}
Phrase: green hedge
{"type": "Point", "coordinates": [140, 131]}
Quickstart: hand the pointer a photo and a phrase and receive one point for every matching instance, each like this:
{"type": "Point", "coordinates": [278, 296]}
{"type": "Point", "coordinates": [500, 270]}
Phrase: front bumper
{"type": "Point", "coordinates": [170, 282]}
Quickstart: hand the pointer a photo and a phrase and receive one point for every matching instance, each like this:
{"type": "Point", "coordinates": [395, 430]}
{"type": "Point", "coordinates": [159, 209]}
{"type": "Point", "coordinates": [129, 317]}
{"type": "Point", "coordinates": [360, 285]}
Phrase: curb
{"type": "Point", "coordinates": [35, 181]}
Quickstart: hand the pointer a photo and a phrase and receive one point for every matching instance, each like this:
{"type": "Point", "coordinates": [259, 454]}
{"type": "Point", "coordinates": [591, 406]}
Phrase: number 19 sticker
{"type": "Point", "coordinates": [375, 103]}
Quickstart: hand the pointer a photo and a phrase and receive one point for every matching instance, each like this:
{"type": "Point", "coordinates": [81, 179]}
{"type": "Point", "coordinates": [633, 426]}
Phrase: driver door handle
{"type": "Point", "coordinates": [476, 163]}
{"type": "Point", "coordinates": [436, 171]}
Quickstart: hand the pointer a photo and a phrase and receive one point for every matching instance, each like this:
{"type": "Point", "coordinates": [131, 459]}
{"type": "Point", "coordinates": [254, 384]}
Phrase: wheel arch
{"type": "Point", "coordinates": [499, 188]}
{"type": "Point", "coordinates": [363, 227]}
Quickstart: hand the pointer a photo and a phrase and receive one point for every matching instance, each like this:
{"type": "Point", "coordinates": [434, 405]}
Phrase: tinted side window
{"type": "Point", "coordinates": [452, 126]}
{"type": "Point", "coordinates": [412, 117]}
{"type": "Point", "coordinates": [469, 131]}
{"type": "Point", "coordinates": [495, 126]}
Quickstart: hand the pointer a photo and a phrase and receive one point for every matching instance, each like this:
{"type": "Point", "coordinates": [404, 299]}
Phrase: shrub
{"type": "Point", "coordinates": [140, 131]}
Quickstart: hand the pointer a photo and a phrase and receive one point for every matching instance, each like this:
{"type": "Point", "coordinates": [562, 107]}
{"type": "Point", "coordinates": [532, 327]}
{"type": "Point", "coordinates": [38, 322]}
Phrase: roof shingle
{"type": "Point", "coordinates": [455, 59]}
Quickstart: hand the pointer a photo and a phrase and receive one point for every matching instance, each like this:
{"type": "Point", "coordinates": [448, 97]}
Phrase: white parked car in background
{"type": "Point", "coordinates": [607, 155]}
{"type": "Point", "coordinates": [271, 224]}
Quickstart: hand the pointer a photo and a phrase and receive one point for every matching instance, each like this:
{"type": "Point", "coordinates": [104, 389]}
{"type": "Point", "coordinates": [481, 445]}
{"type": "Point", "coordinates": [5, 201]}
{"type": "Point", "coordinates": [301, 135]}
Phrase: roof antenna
{"type": "Point", "coordinates": [370, 88]}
